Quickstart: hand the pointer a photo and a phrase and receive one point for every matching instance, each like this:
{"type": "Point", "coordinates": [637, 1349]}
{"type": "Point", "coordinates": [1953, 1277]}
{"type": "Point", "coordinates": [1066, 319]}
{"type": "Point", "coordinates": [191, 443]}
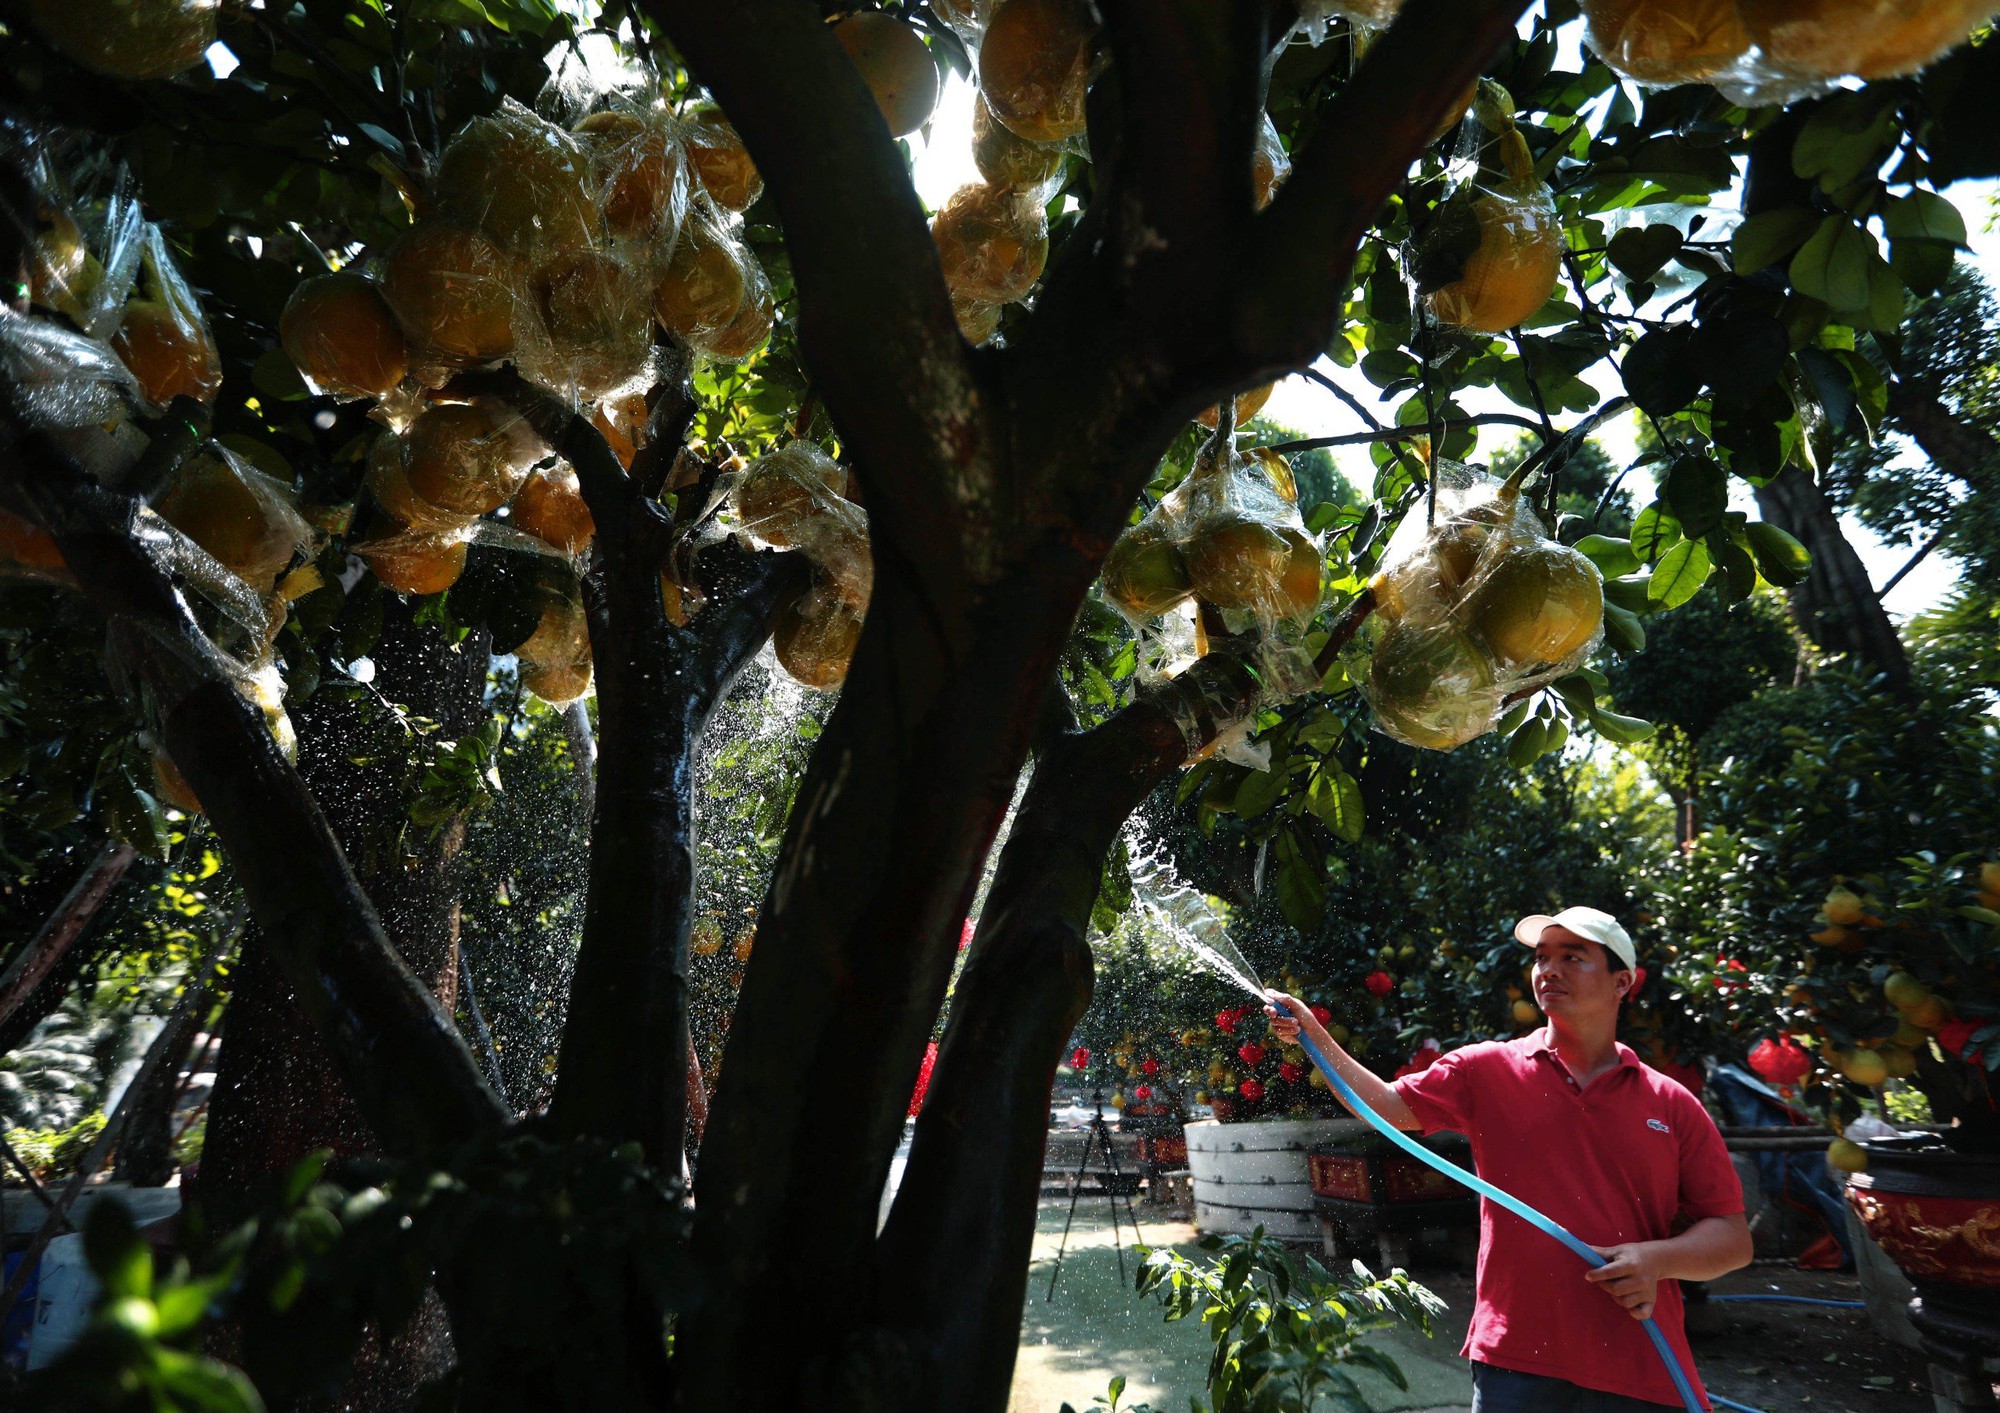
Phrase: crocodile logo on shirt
{"type": "Point", "coordinates": [1658, 1126]}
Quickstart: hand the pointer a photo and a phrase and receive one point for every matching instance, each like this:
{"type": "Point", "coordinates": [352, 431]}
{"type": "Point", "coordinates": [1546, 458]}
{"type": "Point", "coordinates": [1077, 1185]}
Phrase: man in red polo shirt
{"type": "Point", "coordinates": [1573, 1124]}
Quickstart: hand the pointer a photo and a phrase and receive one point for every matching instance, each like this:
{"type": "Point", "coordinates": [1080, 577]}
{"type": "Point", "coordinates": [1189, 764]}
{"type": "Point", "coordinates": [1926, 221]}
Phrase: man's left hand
{"type": "Point", "coordinates": [1630, 1276]}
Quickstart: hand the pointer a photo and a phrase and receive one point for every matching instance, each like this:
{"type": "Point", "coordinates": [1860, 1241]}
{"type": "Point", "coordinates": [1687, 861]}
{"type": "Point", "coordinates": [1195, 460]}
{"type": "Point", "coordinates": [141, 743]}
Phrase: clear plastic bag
{"type": "Point", "coordinates": [591, 331]}
{"type": "Point", "coordinates": [1270, 164]}
{"type": "Point", "coordinates": [453, 292]}
{"type": "Point", "coordinates": [815, 637]}
{"type": "Point", "coordinates": [62, 379]}
{"type": "Point", "coordinates": [243, 518]}
{"type": "Point", "coordinates": [388, 481]}
{"type": "Point", "coordinates": [555, 660]}
{"type": "Point", "coordinates": [550, 506]}
{"type": "Point", "coordinates": [704, 287]}
{"type": "Point", "coordinates": [720, 161]}
{"type": "Point", "coordinates": [639, 159]}
{"type": "Point", "coordinates": [523, 183]}
{"type": "Point", "coordinates": [162, 336]}
{"type": "Point", "coordinates": [1009, 161]}
{"type": "Point", "coordinates": [795, 499]}
{"type": "Point", "coordinates": [413, 561]}
{"type": "Point", "coordinates": [1476, 611]}
{"type": "Point", "coordinates": [467, 458]}
{"type": "Point", "coordinates": [992, 243]}
{"type": "Point", "coordinates": [1490, 256]}
{"type": "Point", "coordinates": [342, 336]}
{"type": "Point", "coordinates": [1035, 63]}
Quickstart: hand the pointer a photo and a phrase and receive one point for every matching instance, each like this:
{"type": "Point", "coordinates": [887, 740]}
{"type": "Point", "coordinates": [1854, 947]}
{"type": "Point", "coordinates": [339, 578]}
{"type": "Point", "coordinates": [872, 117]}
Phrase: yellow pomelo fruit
{"type": "Point", "coordinates": [414, 564]}
{"type": "Point", "coordinates": [169, 355]}
{"type": "Point", "coordinates": [1005, 158]}
{"type": "Point", "coordinates": [703, 288]}
{"type": "Point", "coordinates": [555, 660]}
{"type": "Point", "coordinates": [550, 506]}
{"type": "Point", "coordinates": [1905, 991]}
{"type": "Point", "coordinates": [340, 332]}
{"type": "Point", "coordinates": [1144, 575]}
{"type": "Point", "coordinates": [1430, 686]}
{"type": "Point", "coordinates": [129, 39]}
{"type": "Point", "coordinates": [1235, 560]}
{"type": "Point", "coordinates": [1667, 41]}
{"type": "Point", "coordinates": [1843, 906]}
{"type": "Point", "coordinates": [522, 183]}
{"type": "Point", "coordinates": [639, 168]}
{"type": "Point", "coordinates": [1867, 38]}
{"type": "Point", "coordinates": [895, 64]}
{"type": "Point", "coordinates": [1865, 1067]}
{"type": "Point", "coordinates": [467, 458]}
{"type": "Point", "coordinates": [1846, 1157]}
{"type": "Point", "coordinates": [388, 481]}
{"type": "Point", "coordinates": [1900, 1063]}
{"type": "Point", "coordinates": [721, 162]}
{"type": "Point", "coordinates": [1540, 603]}
{"type": "Point", "coordinates": [991, 242]}
{"type": "Point", "coordinates": [815, 638]}
{"type": "Point", "coordinates": [452, 291]}
{"type": "Point", "coordinates": [241, 517]}
{"type": "Point", "coordinates": [597, 313]}
{"type": "Point", "coordinates": [1512, 273]}
{"type": "Point", "coordinates": [1034, 66]}
{"type": "Point", "coordinates": [1928, 1014]}
{"type": "Point", "coordinates": [1298, 590]}
{"type": "Point", "coordinates": [1248, 404]}
{"type": "Point", "coordinates": [748, 331]}
{"type": "Point", "coordinates": [1525, 1012]}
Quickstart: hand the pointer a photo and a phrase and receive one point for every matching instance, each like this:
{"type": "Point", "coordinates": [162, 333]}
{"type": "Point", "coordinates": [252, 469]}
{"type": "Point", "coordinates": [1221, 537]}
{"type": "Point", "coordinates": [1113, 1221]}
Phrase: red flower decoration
{"type": "Point", "coordinates": [1638, 980]}
{"type": "Point", "coordinates": [1143, 1091]}
{"type": "Point", "coordinates": [1379, 983]}
{"type": "Point", "coordinates": [1291, 1073]}
{"type": "Point", "coordinates": [1250, 1052]}
{"type": "Point", "coordinates": [1322, 1015]}
{"type": "Point", "coordinates": [1780, 1062]}
{"type": "Point", "coordinates": [1149, 1067]}
{"type": "Point", "coordinates": [923, 1079]}
{"type": "Point", "coordinates": [1079, 1057]}
{"type": "Point", "coordinates": [1727, 965]}
{"type": "Point", "coordinates": [1251, 1089]}
{"type": "Point", "coordinates": [1225, 1021]}
{"type": "Point", "coordinates": [1954, 1035]}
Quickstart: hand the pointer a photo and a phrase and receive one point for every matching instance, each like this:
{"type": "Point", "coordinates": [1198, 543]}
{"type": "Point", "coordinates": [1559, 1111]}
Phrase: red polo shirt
{"type": "Point", "coordinates": [1615, 1161]}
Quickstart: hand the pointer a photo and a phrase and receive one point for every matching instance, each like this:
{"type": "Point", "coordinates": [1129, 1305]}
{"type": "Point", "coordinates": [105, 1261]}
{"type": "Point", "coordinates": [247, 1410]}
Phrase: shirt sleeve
{"type": "Point", "coordinates": [1709, 1186]}
{"type": "Point", "coordinates": [1444, 1095]}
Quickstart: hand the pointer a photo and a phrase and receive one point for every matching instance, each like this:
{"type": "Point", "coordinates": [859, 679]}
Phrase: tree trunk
{"type": "Point", "coordinates": [42, 969]}
{"type": "Point", "coordinates": [1836, 606]}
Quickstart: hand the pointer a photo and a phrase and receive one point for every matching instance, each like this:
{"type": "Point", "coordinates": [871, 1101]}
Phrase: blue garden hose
{"type": "Point", "coordinates": [1794, 1300]}
{"type": "Point", "coordinates": [1511, 1203]}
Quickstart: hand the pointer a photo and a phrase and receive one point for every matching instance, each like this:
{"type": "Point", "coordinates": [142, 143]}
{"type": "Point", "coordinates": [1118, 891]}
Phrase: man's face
{"type": "Point", "coordinates": [1575, 977]}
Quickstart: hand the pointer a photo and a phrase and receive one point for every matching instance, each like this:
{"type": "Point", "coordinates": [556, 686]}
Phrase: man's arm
{"type": "Point", "coordinates": [1713, 1246]}
{"type": "Point", "coordinates": [1376, 1093]}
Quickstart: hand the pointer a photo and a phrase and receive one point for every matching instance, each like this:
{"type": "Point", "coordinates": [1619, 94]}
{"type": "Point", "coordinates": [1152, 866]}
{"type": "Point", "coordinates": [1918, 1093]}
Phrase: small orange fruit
{"type": "Point", "coordinates": [1234, 559]}
{"type": "Point", "coordinates": [1541, 602]}
{"type": "Point", "coordinates": [170, 355]}
{"type": "Point", "coordinates": [452, 291]}
{"type": "Point", "coordinates": [1034, 66]}
{"type": "Point", "coordinates": [240, 516]}
{"type": "Point", "coordinates": [991, 242]}
{"type": "Point", "coordinates": [1512, 272]}
{"type": "Point", "coordinates": [1145, 575]}
{"type": "Point", "coordinates": [895, 64]}
{"type": "Point", "coordinates": [341, 333]}
{"type": "Point", "coordinates": [388, 481]}
{"type": "Point", "coordinates": [747, 332]}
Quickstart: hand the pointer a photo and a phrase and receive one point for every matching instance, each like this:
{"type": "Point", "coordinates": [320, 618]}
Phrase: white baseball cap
{"type": "Point", "coordinates": [1597, 926]}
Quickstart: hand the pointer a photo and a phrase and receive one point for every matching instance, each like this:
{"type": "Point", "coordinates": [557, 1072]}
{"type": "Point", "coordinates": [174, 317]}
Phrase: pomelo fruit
{"type": "Point", "coordinates": [1034, 66]}
{"type": "Point", "coordinates": [1144, 575]}
{"type": "Point", "coordinates": [341, 333]}
{"type": "Point", "coordinates": [704, 286]}
{"type": "Point", "coordinates": [721, 161]}
{"type": "Point", "coordinates": [129, 39]}
{"type": "Point", "coordinates": [895, 63]}
{"type": "Point", "coordinates": [815, 638]}
{"type": "Point", "coordinates": [169, 355]}
{"type": "Point", "coordinates": [468, 457]}
{"type": "Point", "coordinates": [991, 242]}
{"type": "Point", "coordinates": [1431, 686]}
{"type": "Point", "coordinates": [550, 506]}
{"type": "Point", "coordinates": [1667, 41]}
{"type": "Point", "coordinates": [1007, 159]}
{"type": "Point", "coordinates": [522, 183]}
{"type": "Point", "coordinates": [1540, 602]}
{"type": "Point", "coordinates": [452, 291]}
{"type": "Point", "coordinates": [238, 515]}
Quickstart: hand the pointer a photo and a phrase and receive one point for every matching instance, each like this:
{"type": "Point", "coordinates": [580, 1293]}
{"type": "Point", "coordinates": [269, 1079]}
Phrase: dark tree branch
{"type": "Point", "coordinates": [396, 1047]}
{"type": "Point", "coordinates": [1923, 553]}
{"type": "Point", "coordinates": [1836, 606]}
{"type": "Point", "coordinates": [867, 272]}
{"type": "Point", "coordinates": [622, 1073]}
{"type": "Point", "coordinates": [1303, 246]}
{"type": "Point", "coordinates": [59, 932]}
{"type": "Point", "coordinates": [1354, 404]}
{"type": "Point", "coordinates": [954, 1255]}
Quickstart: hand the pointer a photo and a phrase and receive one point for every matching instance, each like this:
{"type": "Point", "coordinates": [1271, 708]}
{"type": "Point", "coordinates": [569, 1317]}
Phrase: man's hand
{"type": "Point", "coordinates": [1287, 1014]}
{"type": "Point", "coordinates": [1630, 1275]}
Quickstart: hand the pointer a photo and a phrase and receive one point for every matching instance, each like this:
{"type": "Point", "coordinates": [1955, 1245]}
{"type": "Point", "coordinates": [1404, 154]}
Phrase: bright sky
{"type": "Point", "coordinates": [945, 164]}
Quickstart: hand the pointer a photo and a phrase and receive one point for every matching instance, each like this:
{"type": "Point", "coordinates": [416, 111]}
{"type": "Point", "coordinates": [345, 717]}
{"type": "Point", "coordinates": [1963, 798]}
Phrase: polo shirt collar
{"type": "Point", "coordinates": [1537, 1043]}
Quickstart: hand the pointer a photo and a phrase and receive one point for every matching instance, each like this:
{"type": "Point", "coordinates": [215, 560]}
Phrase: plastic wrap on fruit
{"type": "Point", "coordinates": [590, 330]}
{"type": "Point", "coordinates": [62, 379]}
{"type": "Point", "coordinates": [152, 40]}
{"type": "Point", "coordinates": [750, 330]}
{"type": "Point", "coordinates": [640, 164]}
{"type": "Point", "coordinates": [965, 18]}
{"type": "Point", "coordinates": [523, 183]}
{"type": "Point", "coordinates": [243, 518]}
{"type": "Point", "coordinates": [162, 336]}
{"type": "Point", "coordinates": [342, 336]}
{"type": "Point", "coordinates": [388, 481]}
{"type": "Point", "coordinates": [1008, 160]}
{"type": "Point", "coordinates": [1245, 547]}
{"type": "Point", "coordinates": [550, 507]}
{"type": "Point", "coordinates": [1815, 41]}
{"type": "Point", "coordinates": [1035, 64]}
{"type": "Point", "coordinates": [795, 498]}
{"type": "Point", "coordinates": [1667, 41]}
{"type": "Point", "coordinates": [622, 422]}
{"type": "Point", "coordinates": [468, 458]}
{"type": "Point", "coordinates": [555, 660]}
{"type": "Point", "coordinates": [453, 292]}
{"type": "Point", "coordinates": [719, 161]}
{"type": "Point", "coordinates": [1270, 164]}
{"type": "Point", "coordinates": [1376, 14]}
{"type": "Point", "coordinates": [1489, 257]}
{"type": "Point", "coordinates": [992, 243]}
{"type": "Point", "coordinates": [413, 561]}
{"type": "Point", "coordinates": [815, 636]}
{"type": "Point", "coordinates": [704, 286]}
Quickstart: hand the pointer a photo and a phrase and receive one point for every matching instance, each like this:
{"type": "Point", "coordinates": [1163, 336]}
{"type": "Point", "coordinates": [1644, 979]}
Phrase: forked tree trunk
{"type": "Point", "coordinates": [1836, 606]}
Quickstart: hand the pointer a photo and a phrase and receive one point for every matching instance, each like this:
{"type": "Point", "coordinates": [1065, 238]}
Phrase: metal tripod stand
{"type": "Point", "coordinates": [1113, 1184]}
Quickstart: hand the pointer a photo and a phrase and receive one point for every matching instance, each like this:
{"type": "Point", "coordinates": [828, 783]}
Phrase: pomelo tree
{"type": "Point", "coordinates": [289, 333]}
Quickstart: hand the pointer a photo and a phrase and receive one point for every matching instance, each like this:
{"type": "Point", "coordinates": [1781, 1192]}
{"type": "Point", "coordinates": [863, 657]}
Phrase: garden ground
{"type": "Point", "coordinates": [1779, 1358]}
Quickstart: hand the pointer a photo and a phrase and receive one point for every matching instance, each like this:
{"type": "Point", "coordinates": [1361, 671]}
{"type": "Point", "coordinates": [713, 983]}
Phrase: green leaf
{"type": "Point", "coordinates": [1654, 532]}
{"type": "Point", "coordinates": [1782, 560]}
{"type": "Point", "coordinates": [1769, 236]}
{"type": "Point", "coordinates": [1924, 215]}
{"type": "Point", "coordinates": [1525, 746]}
{"type": "Point", "coordinates": [1624, 730]}
{"type": "Point", "coordinates": [1679, 575]}
{"type": "Point", "coordinates": [119, 1257]}
{"type": "Point", "coordinates": [1335, 797]}
{"type": "Point", "coordinates": [1640, 251]}
{"type": "Point", "coordinates": [1848, 135]}
{"type": "Point", "coordinates": [1612, 557]}
{"type": "Point", "coordinates": [1834, 265]}
{"type": "Point", "coordinates": [1698, 491]}
{"type": "Point", "coordinates": [1262, 789]}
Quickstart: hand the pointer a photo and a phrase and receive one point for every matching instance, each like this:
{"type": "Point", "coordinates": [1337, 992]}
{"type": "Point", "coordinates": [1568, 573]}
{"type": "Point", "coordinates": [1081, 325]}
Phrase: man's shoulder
{"type": "Point", "coordinates": [1482, 1054]}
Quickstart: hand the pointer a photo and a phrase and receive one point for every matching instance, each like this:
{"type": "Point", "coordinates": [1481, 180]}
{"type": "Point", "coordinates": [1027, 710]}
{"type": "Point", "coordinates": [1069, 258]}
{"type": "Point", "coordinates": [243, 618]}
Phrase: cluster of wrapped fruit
{"type": "Point", "coordinates": [1474, 612]}
{"type": "Point", "coordinates": [1228, 539]}
{"type": "Point", "coordinates": [797, 498]}
{"type": "Point", "coordinates": [130, 329]}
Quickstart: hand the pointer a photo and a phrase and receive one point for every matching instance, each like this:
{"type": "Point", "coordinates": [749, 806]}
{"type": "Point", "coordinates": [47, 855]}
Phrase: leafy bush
{"type": "Point", "coordinates": [51, 1152]}
{"type": "Point", "coordinates": [1285, 1329]}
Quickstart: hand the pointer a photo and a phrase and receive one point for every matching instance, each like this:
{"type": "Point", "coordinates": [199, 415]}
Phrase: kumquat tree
{"type": "Point", "coordinates": [420, 416]}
